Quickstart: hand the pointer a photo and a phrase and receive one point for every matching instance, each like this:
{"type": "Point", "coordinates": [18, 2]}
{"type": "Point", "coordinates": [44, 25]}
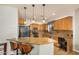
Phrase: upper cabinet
{"type": "Point", "coordinates": [39, 26]}
{"type": "Point", "coordinates": [39, 30]}
{"type": "Point", "coordinates": [63, 24]}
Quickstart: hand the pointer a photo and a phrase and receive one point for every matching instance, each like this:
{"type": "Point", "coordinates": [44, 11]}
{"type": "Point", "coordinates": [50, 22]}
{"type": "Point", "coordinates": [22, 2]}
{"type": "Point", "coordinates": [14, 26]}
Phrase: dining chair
{"type": "Point", "coordinates": [25, 48]}
{"type": "Point", "coordinates": [3, 48]}
{"type": "Point", "coordinates": [14, 46]}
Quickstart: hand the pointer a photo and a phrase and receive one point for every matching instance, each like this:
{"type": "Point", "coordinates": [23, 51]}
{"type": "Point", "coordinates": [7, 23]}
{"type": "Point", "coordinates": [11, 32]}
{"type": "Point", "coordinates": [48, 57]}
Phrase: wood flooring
{"type": "Point", "coordinates": [58, 51]}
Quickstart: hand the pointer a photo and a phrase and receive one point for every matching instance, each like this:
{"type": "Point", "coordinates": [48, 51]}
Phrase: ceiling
{"type": "Point", "coordinates": [52, 11]}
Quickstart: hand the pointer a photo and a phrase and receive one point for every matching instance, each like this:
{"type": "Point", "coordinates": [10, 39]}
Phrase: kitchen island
{"type": "Point", "coordinates": [42, 46]}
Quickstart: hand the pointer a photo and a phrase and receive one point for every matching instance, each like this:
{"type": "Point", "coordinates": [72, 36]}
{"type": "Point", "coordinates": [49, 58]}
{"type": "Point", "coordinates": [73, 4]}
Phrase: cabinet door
{"type": "Point", "coordinates": [46, 49]}
{"type": "Point", "coordinates": [58, 25]}
{"type": "Point", "coordinates": [35, 50]}
{"type": "Point", "coordinates": [63, 24]}
{"type": "Point", "coordinates": [67, 22]}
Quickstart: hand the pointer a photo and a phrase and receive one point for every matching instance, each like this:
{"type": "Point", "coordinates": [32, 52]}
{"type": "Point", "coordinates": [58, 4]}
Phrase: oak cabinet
{"type": "Point", "coordinates": [63, 24]}
{"type": "Point", "coordinates": [41, 29]}
{"type": "Point", "coordinates": [63, 28]}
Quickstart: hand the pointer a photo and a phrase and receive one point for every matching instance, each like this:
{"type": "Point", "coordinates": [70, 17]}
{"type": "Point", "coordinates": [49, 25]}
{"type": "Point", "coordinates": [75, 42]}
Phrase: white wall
{"type": "Point", "coordinates": [8, 23]}
{"type": "Point", "coordinates": [76, 30]}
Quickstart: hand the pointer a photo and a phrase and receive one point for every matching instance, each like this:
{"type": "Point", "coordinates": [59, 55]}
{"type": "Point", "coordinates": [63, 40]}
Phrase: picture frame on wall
{"type": "Point", "coordinates": [24, 31]}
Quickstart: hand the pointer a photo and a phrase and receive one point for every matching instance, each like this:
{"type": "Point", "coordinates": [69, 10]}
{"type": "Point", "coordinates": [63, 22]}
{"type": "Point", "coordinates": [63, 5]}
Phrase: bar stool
{"type": "Point", "coordinates": [14, 46]}
{"type": "Point", "coordinates": [3, 49]}
{"type": "Point", "coordinates": [25, 48]}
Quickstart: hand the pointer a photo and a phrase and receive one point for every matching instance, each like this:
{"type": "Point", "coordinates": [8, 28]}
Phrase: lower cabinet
{"type": "Point", "coordinates": [46, 49]}
{"type": "Point", "coordinates": [35, 50]}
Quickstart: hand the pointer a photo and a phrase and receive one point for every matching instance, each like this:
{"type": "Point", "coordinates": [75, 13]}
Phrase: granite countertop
{"type": "Point", "coordinates": [37, 41]}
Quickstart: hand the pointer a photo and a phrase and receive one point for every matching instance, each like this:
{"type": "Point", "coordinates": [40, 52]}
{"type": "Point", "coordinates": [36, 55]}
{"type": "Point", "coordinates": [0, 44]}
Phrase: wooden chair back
{"type": "Point", "coordinates": [13, 45]}
{"type": "Point", "coordinates": [25, 48]}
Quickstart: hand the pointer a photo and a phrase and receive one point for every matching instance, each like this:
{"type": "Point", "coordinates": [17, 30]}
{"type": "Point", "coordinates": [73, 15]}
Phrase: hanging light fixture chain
{"type": "Point", "coordinates": [33, 10]}
{"type": "Point", "coordinates": [25, 12]}
{"type": "Point", "coordinates": [43, 11]}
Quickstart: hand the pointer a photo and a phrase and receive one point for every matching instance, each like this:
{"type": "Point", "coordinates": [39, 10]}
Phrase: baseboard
{"type": "Point", "coordinates": [75, 50]}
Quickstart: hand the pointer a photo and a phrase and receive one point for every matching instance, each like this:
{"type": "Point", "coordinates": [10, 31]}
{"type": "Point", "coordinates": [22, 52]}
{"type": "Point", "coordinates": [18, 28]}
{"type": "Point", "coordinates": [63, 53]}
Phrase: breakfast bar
{"type": "Point", "coordinates": [42, 46]}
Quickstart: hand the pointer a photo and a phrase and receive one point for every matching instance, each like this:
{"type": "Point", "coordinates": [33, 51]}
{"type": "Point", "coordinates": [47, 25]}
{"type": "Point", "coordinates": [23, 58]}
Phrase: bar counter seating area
{"type": "Point", "coordinates": [39, 29]}
{"type": "Point", "coordinates": [32, 46]}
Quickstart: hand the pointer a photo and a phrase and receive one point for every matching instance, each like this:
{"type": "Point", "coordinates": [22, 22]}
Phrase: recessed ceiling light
{"type": "Point", "coordinates": [53, 14]}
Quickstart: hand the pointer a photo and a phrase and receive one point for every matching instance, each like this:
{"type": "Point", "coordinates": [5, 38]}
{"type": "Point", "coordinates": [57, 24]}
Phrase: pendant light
{"type": "Point", "coordinates": [25, 15]}
{"type": "Point", "coordinates": [43, 13]}
{"type": "Point", "coordinates": [33, 21]}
